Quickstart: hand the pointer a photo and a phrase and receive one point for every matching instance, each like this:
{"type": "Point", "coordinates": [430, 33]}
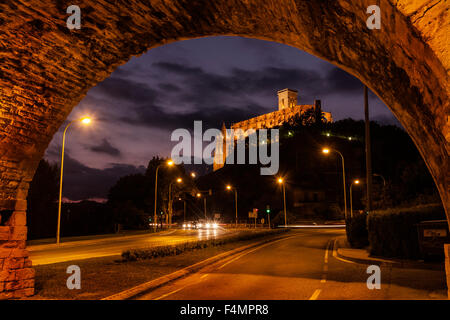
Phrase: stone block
{"type": "Point", "coordinates": [24, 274]}
{"type": "Point", "coordinates": [26, 292]}
{"type": "Point", "coordinates": [18, 218]}
{"type": "Point", "coordinates": [27, 263]}
{"type": "Point", "coordinates": [5, 253]}
{"type": "Point", "coordinates": [18, 233]}
{"type": "Point", "coordinates": [19, 253]}
{"type": "Point", "coordinates": [4, 232]}
{"type": "Point", "coordinates": [7, 275]}
{"type": "Point", "coordinates": [13, 263]}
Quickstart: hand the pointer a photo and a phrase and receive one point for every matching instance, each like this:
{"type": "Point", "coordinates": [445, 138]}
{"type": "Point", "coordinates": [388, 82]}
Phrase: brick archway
{"type": "Point", "coordinates": [46, 69]}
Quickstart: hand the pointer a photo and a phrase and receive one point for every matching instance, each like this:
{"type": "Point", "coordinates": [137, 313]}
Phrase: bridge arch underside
{"type": "Point", "coordinates": [46, 69]}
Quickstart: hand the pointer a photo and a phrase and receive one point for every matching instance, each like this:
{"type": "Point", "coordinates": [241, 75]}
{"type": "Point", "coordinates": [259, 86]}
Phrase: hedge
{"type": "Point", "coordinates": [356, 229]}
{"type": "Point", "coordinates": [393, 232]}
{"type": "Point", "coordinates": [171, 250]}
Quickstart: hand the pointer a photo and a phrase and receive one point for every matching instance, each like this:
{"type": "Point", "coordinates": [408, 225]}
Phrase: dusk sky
{"type": "Point", "coordinates": [212, 79]}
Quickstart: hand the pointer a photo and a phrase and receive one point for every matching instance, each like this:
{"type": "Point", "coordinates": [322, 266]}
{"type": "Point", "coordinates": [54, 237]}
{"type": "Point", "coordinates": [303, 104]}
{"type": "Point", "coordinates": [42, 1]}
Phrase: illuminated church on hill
{"type": "Point", "coordinates": [288, 108]}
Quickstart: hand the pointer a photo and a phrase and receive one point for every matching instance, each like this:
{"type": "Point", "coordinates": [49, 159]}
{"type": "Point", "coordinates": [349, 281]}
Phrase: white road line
{"type": "Point", "coordinates": [338, 258]}
{"type": "Point", "coordinates": [315, 295]}
{"type": "Point", "coordinates": [204, 276]}
{"type": "Point", "coordinates": [168, 294]}
{"type": "Point", "coordinates": [247, 252]}
{"type": "Point", "coordinates": [326, 252]}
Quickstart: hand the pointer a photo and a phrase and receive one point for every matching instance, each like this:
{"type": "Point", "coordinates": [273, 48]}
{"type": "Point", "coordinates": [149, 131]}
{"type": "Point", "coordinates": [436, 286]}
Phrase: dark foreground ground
{"type": "Point", "coordinates": [301, 266]}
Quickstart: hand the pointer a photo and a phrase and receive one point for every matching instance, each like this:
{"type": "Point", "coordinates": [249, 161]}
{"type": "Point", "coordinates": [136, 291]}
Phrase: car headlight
{"type": "Point", "coordinates": [199, 225]}
{"type": "Point", "coordinates": [207, 226]}
{"type": "Point", "coordinates": [184, 225]}
{"type": "Point", "coordinates": [215, 225]}
{"type": "Point", "coordinates": [189, 225]}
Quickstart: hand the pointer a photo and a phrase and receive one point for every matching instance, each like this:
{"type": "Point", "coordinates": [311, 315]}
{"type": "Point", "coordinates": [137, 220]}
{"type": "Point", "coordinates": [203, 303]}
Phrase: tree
{"type": "Point", "coordinates": [129, 200]}
{"type": "Point", "coordinates": [41, 201]}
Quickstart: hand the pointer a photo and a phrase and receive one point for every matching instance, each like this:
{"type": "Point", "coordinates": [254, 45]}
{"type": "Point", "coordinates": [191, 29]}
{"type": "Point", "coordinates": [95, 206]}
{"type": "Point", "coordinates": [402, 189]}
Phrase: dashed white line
{"type": "Point", "coordinates": [315, 295]}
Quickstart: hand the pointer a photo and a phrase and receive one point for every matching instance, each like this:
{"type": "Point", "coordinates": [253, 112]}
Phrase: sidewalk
{"type": "Point", "coordinates": [344, 251]}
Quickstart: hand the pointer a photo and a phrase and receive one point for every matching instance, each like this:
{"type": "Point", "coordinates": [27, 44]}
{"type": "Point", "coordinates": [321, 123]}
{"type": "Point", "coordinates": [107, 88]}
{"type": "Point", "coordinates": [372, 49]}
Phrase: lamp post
{"type": "Point", "coordinates": [179, 180]}
{"type": "Point", "coordinates": [199, 195]}
{"type": "Point", "coordinates": [168, 163]}
{"type": "Point", "coordinates": [327, 151]}
{"type": "Point", "coordinates": [235, 201]}
{"type": "Point", "coordinates": [351, 198]}
{"type": "Point", "coordinates": [382, 178]}
{"type": "Point", "coordinates": [85, 120]}
{"type": "Point", "coordinates": [184, 210]}
{"type": "Point", "coordinates": [281, 181]}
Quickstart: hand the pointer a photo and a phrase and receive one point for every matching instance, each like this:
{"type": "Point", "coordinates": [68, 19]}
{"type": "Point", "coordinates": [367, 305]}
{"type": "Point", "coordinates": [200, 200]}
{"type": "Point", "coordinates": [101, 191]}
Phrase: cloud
{"type": "Point", "coordinates": [117, 88]}
{"type": "Point", "coordinates": [105, 147]}
{"type": "Point", "coordinates": [82, 182]}
{"type": "Point", "coordinates": [339, 81]}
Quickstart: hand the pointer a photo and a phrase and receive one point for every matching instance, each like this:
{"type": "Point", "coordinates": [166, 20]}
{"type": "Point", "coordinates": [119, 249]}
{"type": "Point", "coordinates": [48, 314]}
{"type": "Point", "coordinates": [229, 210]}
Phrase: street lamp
{"type": "Point", "coordinates": [382, 178]}
{"type": "Point", "coordinates": [199, 195]}
{"type": "Point", "coordinates": [327, 151]}
{"type": "Point", "coordinates": [281, 181]}
{"type": "Point", "coordinates": [84, 120]}
{"type": "Point", "coordinates": [193, 175]}
{"type": "Point", "coordinates": [179, 180]}
{"type": "Point", "coordinates": [351, 200]}
{"type": "Point", "coordinates": [235, 201]}
{"type": "Point", "coordinates": [169, 163]}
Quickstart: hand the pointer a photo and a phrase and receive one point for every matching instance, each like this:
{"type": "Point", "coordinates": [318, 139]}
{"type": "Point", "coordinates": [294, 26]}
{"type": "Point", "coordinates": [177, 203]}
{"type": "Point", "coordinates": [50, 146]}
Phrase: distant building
{"type": "Point", "coordinates": [288, 108]}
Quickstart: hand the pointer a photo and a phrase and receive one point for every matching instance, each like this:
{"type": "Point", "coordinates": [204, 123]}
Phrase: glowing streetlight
{"type": "Point", "coordinates": [351, 200]}
{"type": "Point", "coordinates": [235, 201]}
{"type": "Point", "coordinates": [84, 120]}
{"type": "Point", "coordinates": [281, 181]}
{"type": "Point", "coordinates": [193, 175]}
{"type": "Point", "coordinates": [178, 180]}
{"type": "Point", "coordinates": [327, 151]}
{"type": "Point", "coordinates": [169, 163]}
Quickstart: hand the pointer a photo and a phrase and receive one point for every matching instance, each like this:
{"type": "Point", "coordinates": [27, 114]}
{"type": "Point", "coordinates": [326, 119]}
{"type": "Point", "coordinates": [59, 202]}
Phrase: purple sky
{"type": "Point", "coordinates": [210, 79]}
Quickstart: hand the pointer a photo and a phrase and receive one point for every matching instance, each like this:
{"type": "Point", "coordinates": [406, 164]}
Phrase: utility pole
{"type": "Point", "coordinates": [368, 153]}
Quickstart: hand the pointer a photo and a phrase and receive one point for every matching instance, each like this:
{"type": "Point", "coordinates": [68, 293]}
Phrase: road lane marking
{"type": "Point", "coordinates": [315, 295]}
{"type": "Point", "coordinates": [326, 252]}
{"type": "Point", "coordinates": [170, 293]}
{"type": "Point", "coordinates": [248, 252]}
{"type": "Point", "coordinates": [204, 276]}
{"type": "Point", "coordinates": [338, 258]}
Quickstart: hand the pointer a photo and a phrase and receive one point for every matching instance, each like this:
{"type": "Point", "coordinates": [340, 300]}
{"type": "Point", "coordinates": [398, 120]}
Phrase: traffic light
{"type": "Point", "coordinates": [268, 209]}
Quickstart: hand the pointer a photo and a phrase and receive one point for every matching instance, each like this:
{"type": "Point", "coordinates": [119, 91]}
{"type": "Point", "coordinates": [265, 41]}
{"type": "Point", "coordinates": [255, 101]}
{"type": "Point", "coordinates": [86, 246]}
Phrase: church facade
{"type": "Point", "coordinates": [288, 108]}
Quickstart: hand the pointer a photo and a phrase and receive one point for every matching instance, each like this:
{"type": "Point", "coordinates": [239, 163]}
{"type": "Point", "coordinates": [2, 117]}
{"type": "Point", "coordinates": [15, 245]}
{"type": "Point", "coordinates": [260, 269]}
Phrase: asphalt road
{"type": "Point", "coordinates": [48, 254]}
{"type": "Point", "coordinates": [301, 266]}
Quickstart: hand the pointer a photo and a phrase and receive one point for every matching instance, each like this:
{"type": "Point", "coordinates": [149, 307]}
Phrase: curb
{"type": "Point", "coordinates": [156, 283]}
{"type": "Point", "coordinates": [383, 262]}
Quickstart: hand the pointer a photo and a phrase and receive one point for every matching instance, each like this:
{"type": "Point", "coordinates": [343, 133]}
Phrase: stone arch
{"type": "Point", "coordinates": [46, 69]}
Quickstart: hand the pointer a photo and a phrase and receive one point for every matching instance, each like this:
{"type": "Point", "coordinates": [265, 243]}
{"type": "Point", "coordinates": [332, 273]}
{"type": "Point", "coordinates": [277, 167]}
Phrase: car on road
{"type": "Point", "coordinates": [201, 224]}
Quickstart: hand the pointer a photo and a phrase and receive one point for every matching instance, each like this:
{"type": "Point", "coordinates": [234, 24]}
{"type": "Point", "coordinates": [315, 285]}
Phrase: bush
{"type": "Point", "coordinates": [172, 250]}
{"type": "Point", "coordinates": [393, 232]}
{"type": "Point", "coordinates": [356, 229]}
